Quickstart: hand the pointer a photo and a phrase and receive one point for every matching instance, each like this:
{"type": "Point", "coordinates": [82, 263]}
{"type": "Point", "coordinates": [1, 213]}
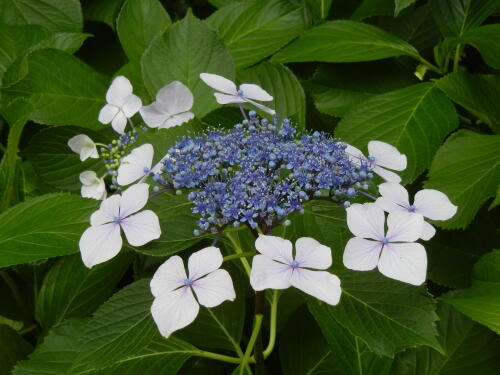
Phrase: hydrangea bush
{"type": "Point", "coordinates": [225, 224]}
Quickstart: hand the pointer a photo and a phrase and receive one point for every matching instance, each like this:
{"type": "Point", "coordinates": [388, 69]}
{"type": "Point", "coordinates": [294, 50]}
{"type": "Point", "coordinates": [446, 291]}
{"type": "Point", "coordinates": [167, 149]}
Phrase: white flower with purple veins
{"type": "Point", "coordinates": [102, 240]}
{"type": "Point", "coordinates": [171, 107]}
{"type": "Point", "coordinates": [178, 297]}
{"type": "Point", "coordinates": [137, 165]}
{"type": "Point", "coordinates": [92, 186]}
{"type": "Point", "coordinates": [84, 146]}
{"type": "Point", "coordinates": [428, 203]}
{"type": "Point", "coordinates": [121, 104]}
{"type": "Point", "coordinates": [229, 93]}
{"type": "Point", "coordinates": [277, 268]}
{"type": "Point", "coordinates": [381, 155]}
{"type": "Point", "coordinates": [394, 252]}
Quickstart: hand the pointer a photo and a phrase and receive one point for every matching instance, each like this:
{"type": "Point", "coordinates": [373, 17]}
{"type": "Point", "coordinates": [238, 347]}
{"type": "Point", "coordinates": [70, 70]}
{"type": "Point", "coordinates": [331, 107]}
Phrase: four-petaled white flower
{"type": "Point", "coordinates": [229, 93]}
{"type": "Point", "coordinates": [175, 306]}
{"type": "Point", "coordinates": [137, 165]}
{"type": "Point", "coordinates": [92, 186]}
{"type": "Point", "coordinates": [429, 203]}
{"type": "Point", "coordinates": [102, 240]}
{"type": "Point", "coordinates": [84, 146]}
{"type": "Point", "coordinates": [394, 253]}
{"type": "Point", "coordinates": [381, 155]}
{"type": "Point", "coordinates": [121, 104]}
{"type": "Point", "coordinates": [171, 107]}
{"type": "Point", "coordinates": [277, 268]}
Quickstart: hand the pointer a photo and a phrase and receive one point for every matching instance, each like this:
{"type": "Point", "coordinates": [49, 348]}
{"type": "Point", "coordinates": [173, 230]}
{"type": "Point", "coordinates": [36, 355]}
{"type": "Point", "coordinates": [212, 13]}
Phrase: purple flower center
{"type": "Point", "coordinates": [294, 264]}
{"type": "Point", "coordinates": [117, 219]}
{"type": "Point", "coordinates": [188, 282]}
{"type": "Point", "coordinates": [371, 158]}
{"type": "Point", "coordinates": [240, 92]}
{"type": "Point", "coordinates": [412, 208]}
{"type": "Point", "coordinates": [385, 240]}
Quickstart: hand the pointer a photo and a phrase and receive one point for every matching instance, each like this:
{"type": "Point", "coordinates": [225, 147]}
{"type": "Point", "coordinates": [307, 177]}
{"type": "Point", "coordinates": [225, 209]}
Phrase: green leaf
{"type": "Point", "coordinates": [486, 39]}
{"type": "Point", "coordinates": [467, 169]}
{"type": "Point", "coordinates": [102, 11]}
{"type": "Point", "coordinates": [255, 30]}
{"type": "Point", "coordinates": [12, 349]}
{"type": "Point", "coordinates": [65, 91]}
{"type": "Point", "coordinates": [370, 8]}
{"type": "Point", "coordinates": [55, 15]}
{"type": "Point", "coordinates": [345, 41]}
{"type": "Point", "coordinates": [44, 227]}
{"type": "Point", "coordinates": [401, 4]}
{"type": "Point", "coordinates": [188, 48]}
{"type": "Point", "coordinates": [454, 17]}
{"type": "Point", "coordinates": [496, 202]}
{"type": "Point", "coordinates": [387, 315]}
{"type": "Point", "coordinates": [53, 160]}
{"type": "Point", "coordinates": [476, 93]}
{"type": "Point", "coordinates": [139, 22]}
{"type": "Point", "coordinates": [283, 85]}
{"type": "Point", "coordinates": [71, 290]}
{"type": "Point", "coordinates": [415, 120]}
{"type": "Point", "coordinates": [481, 302]}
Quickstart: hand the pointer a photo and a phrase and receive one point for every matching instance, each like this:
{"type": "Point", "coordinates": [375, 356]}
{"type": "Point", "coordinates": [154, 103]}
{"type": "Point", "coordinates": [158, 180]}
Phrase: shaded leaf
{"type": "Point", "coordinates": [486, 39]}
{"type": "Point", "coordinates": [13, 348]}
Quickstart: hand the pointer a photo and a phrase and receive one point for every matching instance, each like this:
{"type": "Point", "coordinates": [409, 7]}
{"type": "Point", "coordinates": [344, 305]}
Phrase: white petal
{"type": "Point", "coordinates": [310, 253]}
{"type": "Point", "coordinates": [108, 113]}
{"type": "Point", "coordinates": [355, 155]}
{"type": "Point", "coordinates": [83, 145]}
{"type": "Point", "coordinates": [434, 204]}
{"type": "Point", "coordinates": [428, 231]}
{"type": "Point", "coordinates": [153, 115]}
{"type": "Point", "coordinates": [141, 228]}
{"type": "Point", "coordinates": [361, 254]}
{"type": "Point", "coordinates": [119, 90]}
{"type": "Point", "coordinates": [394, 197]}
{"type": "Point", "coordinates": [255, 92]}
{"type": "Point", "coordinates": [404, 226]}
{"type": "Point", "coordinates": [387, 175]}
{"type": "Point", "coordinates": [169, 276]}
{"type": "Point", "coordinates": [174, 310]}
{"type": "Point", "coordinates": [276, 248]}
{"type": "Point", "coordinates": [132, 166]}
{"type": "Point", "coordinates": [133, 199]}
{"type": "Point", "coordinates": [366, 220]}
{"type": "Point", "coordinates": [132, 105]}
{"type": "Point", "coordinates": [203, 262]}
{"type": "Point", "coordinates": [387, 155]}
{"type": "Point", "coordinates": [88, 178]}
{"type": "Point", "coordinates": [214, 288]}
{"type": "Point", "coordinates": [262, 107]}
{"type": "Point", "coordinates": [219, 83]}
{"type": "Point", "coordinates": [269, 274]}
{"type": "Point", "coordinates": [119, 122]}
{"type": "Point", "coordinates": [94, 191]}
{"type": "Point", "coordinates": [175, 98]}
{"type": "Point", "coordinates": [100, 243]}
{"type": "Point", "coordinates": [176, 120]}
{"type": "Point", "coordinates": [107, 212]}
{"type": "Point", "coordinates": [320, 284]}
{"type": "Point", "coordinates": [226, 99]}
{"type": "Point", "coordinates": [406, 262]}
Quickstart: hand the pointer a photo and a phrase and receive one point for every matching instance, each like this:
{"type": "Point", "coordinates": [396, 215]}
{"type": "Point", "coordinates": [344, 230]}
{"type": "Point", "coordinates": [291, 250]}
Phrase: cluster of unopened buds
{"type": "Point", "coordinates": [254, 175]}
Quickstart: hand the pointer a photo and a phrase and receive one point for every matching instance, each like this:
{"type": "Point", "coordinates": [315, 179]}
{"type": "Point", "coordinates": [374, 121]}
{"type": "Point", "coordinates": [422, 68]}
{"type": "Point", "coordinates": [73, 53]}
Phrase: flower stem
{"type": "Point", "coordinates": [239, 255]}
{"type": "Point", "coordinates": [272, 324]}
{"type": "Point", "coordinates": [367, 195]}
{"type": "Point", "coordinates": [456, 60]}
{"type": "Point", "coordinates": [429, 65]}
{"type": "Point", "coordinates": [101, 144]}
{"type": "Point", "coordinates": [243, 111]}
{"type": "Point", "coordinates": [238, 250]}
{"type": "Point", "coordinates": [156, 193]}
{"type": "Point", "coordinates": [251, 343]}
{"type": "Point", "coordinates": [217, 357]}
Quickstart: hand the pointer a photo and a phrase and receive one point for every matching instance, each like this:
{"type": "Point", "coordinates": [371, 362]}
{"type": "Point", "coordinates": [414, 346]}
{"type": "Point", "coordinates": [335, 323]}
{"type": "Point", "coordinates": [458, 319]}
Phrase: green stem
{"type": "Point", "coordinates": [272, 324]}
{"type": "Point", "coordinates": [101, 144]}
{"type": "Point", "coordinates": [429, 65]}
{"type": "Point", "coordinates": [217, 357]}
{"type": "Point", "coordinates": [257, 324]}
{"type": "Point", "coordinates": [456, 60]}
{"type": "Point", "coordinates": [238, 250]}
{"type": "Point", "coordinates": [239, 255]}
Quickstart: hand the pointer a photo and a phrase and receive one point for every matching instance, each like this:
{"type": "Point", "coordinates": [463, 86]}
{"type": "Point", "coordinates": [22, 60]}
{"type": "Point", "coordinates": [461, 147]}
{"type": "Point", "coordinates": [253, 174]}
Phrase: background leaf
{"type": "Point", "coordinates": [486, 39]}
{"type": "Point", "coordinates": [12, 349]}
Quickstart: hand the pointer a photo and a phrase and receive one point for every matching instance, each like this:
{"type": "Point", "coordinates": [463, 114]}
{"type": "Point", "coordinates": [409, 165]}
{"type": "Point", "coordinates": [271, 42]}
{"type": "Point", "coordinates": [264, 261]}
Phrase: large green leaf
{"type": "Point", "coordinates": [414, 119]}
{"type": "Point", "coordinates": [140, 21]}
{"type": "Point", "coordinates": [254, 30]}
{"type": "Point", "coordinates": [487, 41]}
{"type": "Point", "coordinates": [103, 11]}
{"type": "Point", "coordinates": [481, 302]}
{"type": "Point", "coordinates": [44, 227]}
{"type": "Point", "coordinates": [55, 15]}
{"type": "Point", "coordinates": [71, 290]}
{"type": "Point", "coordinates": [345, 41]}
{"type": "Point", "coordinates": [467, 169]}
{"type": "Point", "coordinates": [386, 315]}
{"type": "Point", "coordinates": [65, 91]}
{"type": "Point", "coordinates": [188, 48]}
{"type": "Point", "coordinates": [13, 348]}
{"type": "Point", "coordinates": [283, 85]}
{"type": "Point", "coordinates": [371, 8]}
{"type": "Point", "coordinates": [476, 93]}
{"type": "Point", "coordinates": [402, 4]}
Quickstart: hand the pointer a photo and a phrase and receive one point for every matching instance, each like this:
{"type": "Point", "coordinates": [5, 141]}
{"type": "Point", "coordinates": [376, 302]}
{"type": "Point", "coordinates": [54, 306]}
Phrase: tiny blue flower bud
{"type": "Point", "coordinates": [347, 204]}
{"type": "Point", "coordinates": [196, 232]}
{"type": "Point", "coordinates": [287, 223]}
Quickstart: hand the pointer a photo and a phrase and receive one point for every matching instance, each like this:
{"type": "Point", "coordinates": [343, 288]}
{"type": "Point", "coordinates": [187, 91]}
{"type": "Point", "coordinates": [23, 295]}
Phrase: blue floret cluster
{"type": "Point", "coordinates": [258, 172]}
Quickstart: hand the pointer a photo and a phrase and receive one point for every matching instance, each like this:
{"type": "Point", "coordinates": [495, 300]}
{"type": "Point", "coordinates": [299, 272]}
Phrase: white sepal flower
{"type": "Point", "coordinates": [102, 240]}
{"type": "Point", "coordinates": [92, 186]}
{"type": "Point", "coordinates": [381, 155]}
{"type": "Point", "coordinates": [121, 104]}
{"type": "Point", "coordinates": [429, 203]}
{"type": "Point", "coordinates": [136, 165]}
{"type": "Point", "coordinates": [277, 268]}
{"type": "Point", "coordinates": [229, 93]}
{"type": "Point", "coordinates": [394, 253]}
{"type": "Point", "coordinates": [84, 146]}
{"type": "Point", "coordinates": [171, 107]}
{"type": "Point", "coordinates": [175, 305]}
